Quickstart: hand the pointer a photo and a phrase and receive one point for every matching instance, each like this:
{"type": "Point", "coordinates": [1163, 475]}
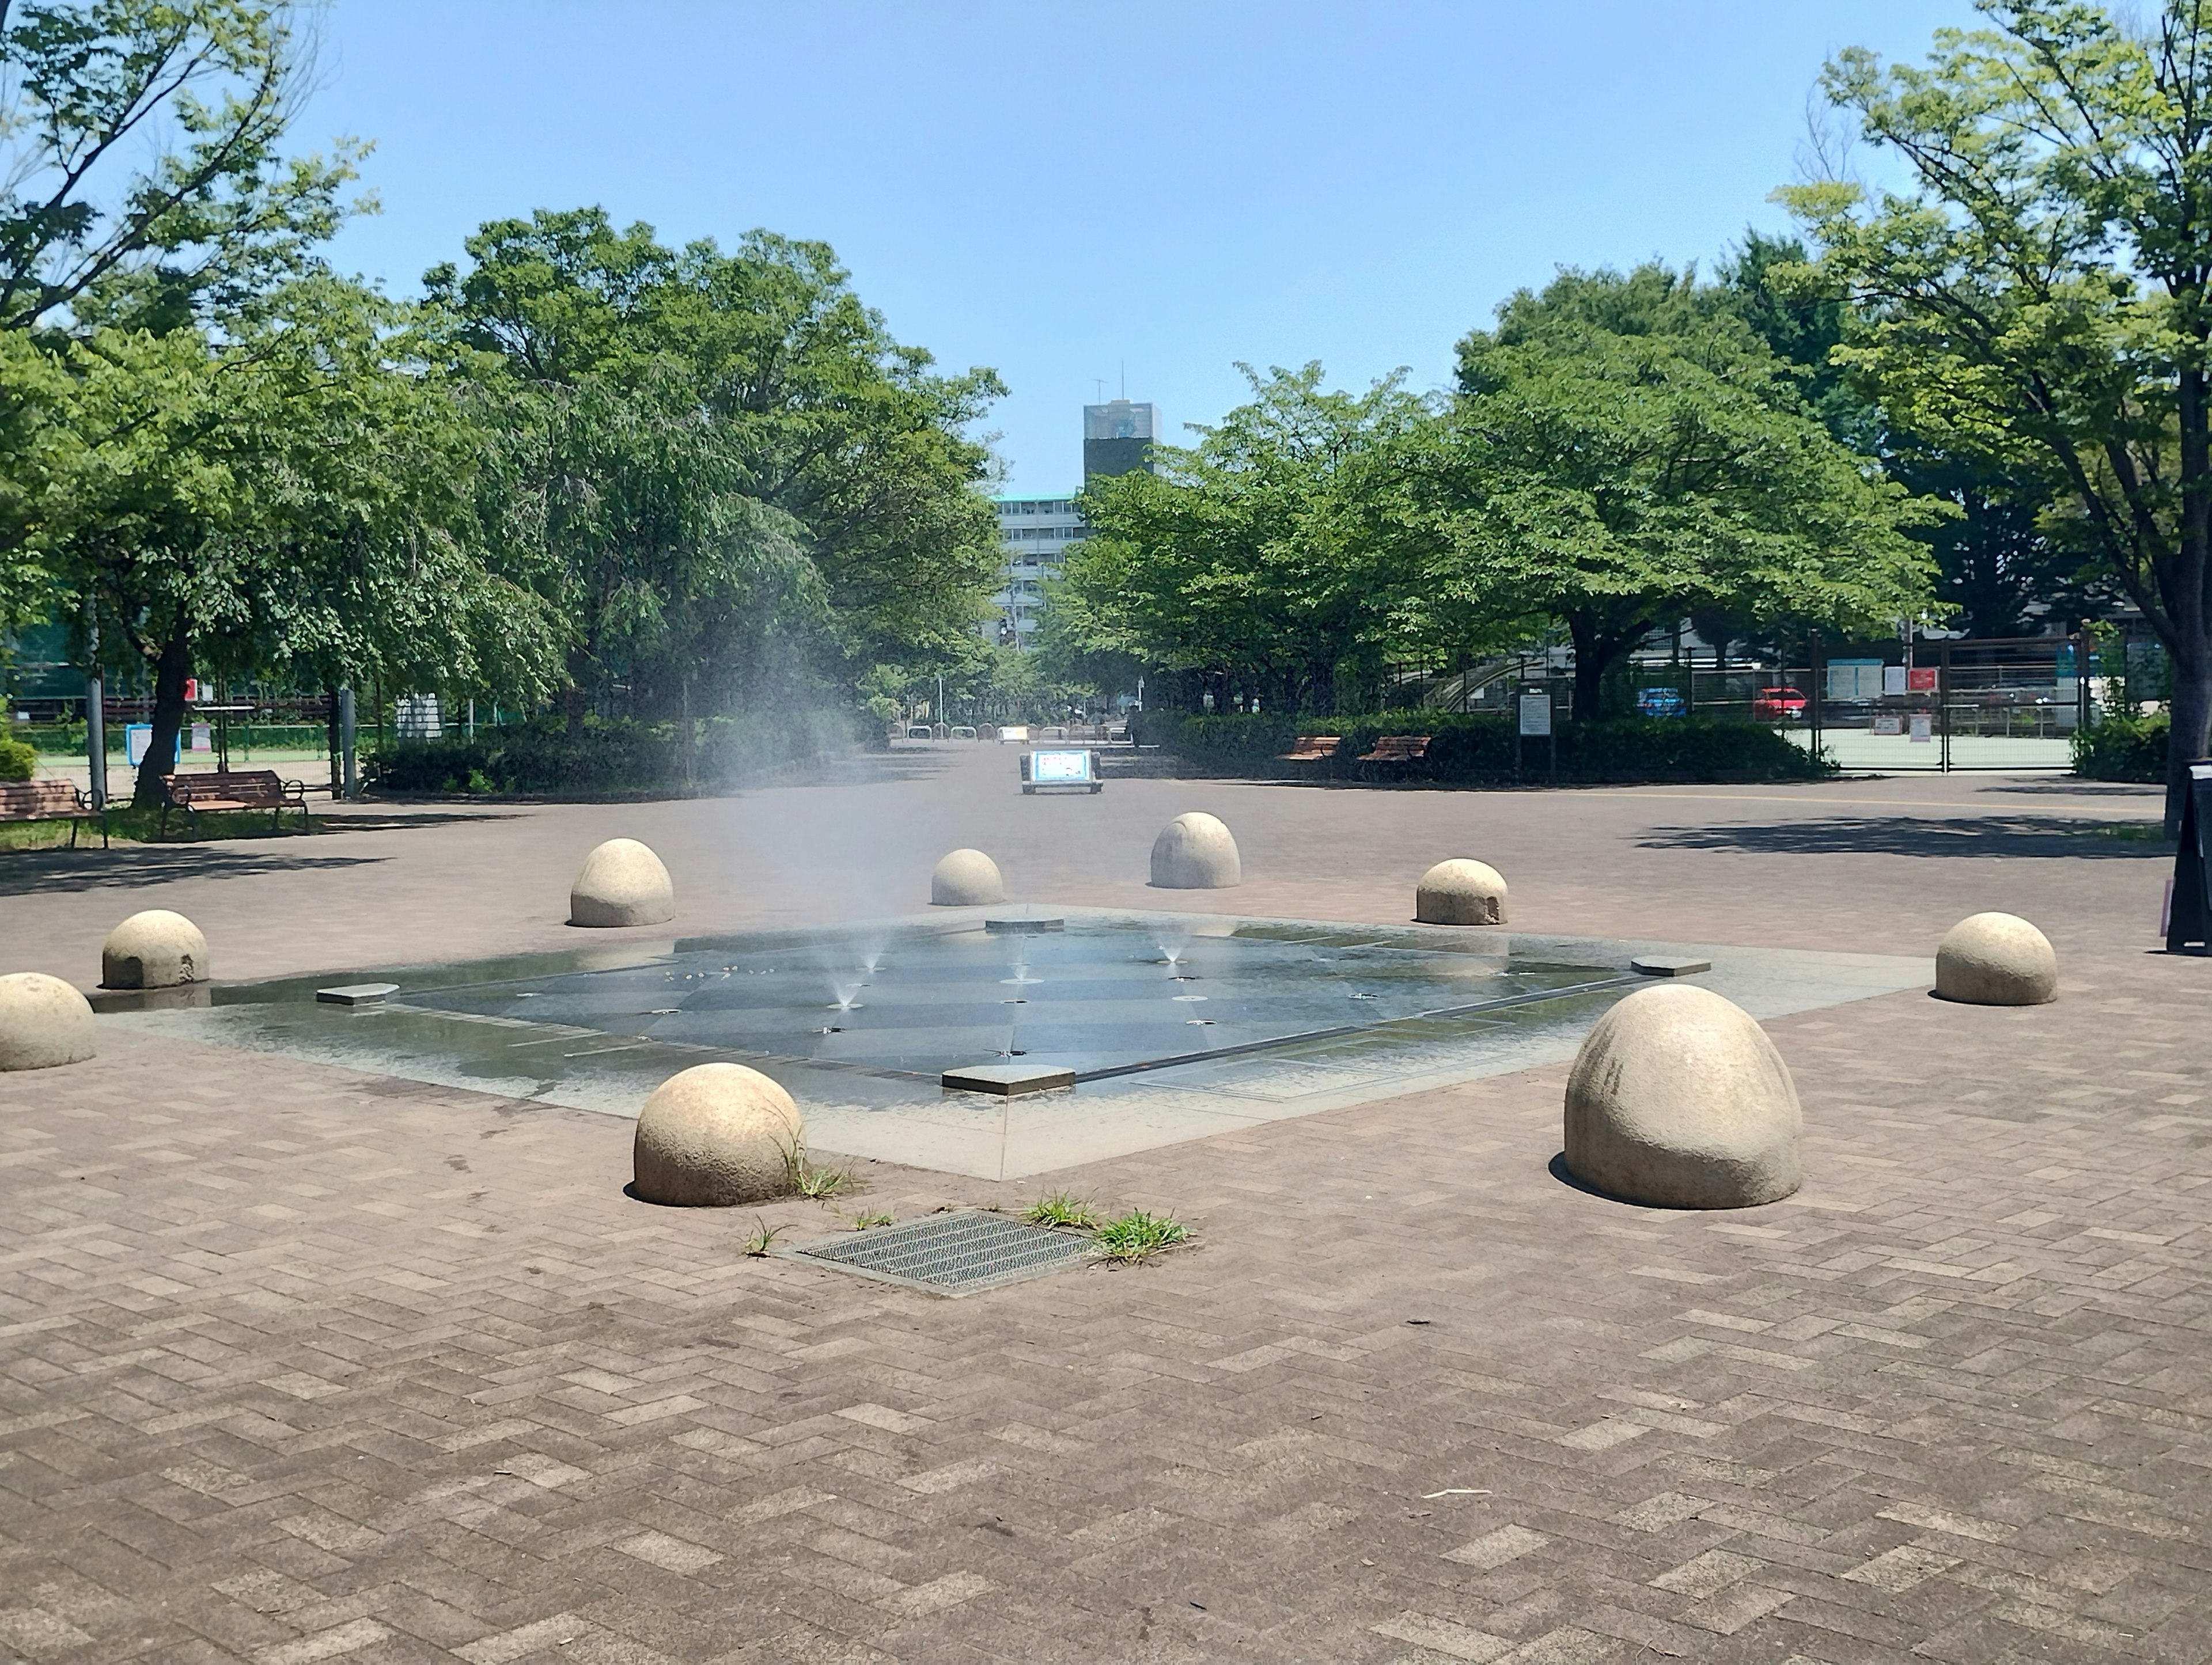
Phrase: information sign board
{"type": "Point", "coordinates": [1535, 714]}
{"type": "Point", "coordinates": [1062, 769]}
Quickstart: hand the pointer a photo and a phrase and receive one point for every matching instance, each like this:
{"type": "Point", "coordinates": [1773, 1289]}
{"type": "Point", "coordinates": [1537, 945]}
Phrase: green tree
{"type": "Point", "coordinates": [728, 457]}
{"type": "Point", "coordinates": [2000, 573]}
{"type": "Point", "coordinates": [1624, 451]}
{"type": "Point", "coordinates": [2039, 298]}
{"type": "Point", "coordinates": [283, 499]}
{"type": "Point", "coordinates": [1248, 556]}
{"type": "Point", "coordinates": [139, 151]}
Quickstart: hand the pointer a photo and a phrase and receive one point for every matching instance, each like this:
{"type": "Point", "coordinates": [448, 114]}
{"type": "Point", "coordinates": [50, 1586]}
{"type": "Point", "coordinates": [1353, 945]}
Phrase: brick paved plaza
{"type": "Point", "coordinates": [302, 1365]}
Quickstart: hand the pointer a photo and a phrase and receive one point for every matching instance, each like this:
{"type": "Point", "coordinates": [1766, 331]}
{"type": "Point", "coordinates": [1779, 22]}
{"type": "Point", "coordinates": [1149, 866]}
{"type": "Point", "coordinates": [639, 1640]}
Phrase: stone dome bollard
{"type": "Point", "coordinates": [1195, 852]}
{"type": "Point", "coordinates": [1461, 892]}
{"type": "Point", "coordinates": [622, 883]}
{"type": "Point", "coordinates": [1996, 959]}
{"type": "Point", "coordinates": [156, 949]}
{"type": "Point", "coordinates": [1678, 1099]}
{"type": "Point", "coordinates": [716, 1134]}
{"type": "Point", "coordinates": [43, 1023]}
{"type": "Point", "coordinates": [966, 878]}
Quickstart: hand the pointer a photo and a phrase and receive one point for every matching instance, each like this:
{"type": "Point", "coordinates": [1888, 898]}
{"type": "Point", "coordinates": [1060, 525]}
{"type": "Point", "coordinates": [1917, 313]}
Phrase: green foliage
{"type": "Point", "coordinates": [545, 756]}
{"type": "Point", "coordinates": [736, 474]}
{"type": "Point", "coordinates": [219, 219]}
{"type": "Point", "coordinates": [2038, 299]}
{"type": "Point", "coordinates": [1624, 451]}
{"type": "Point", "coordinates": [761, 1239]}
{"type": "Point", "coordinates": [1138, 1235]}
{"type": "Point", "coordinates": [2123, 748]}
{"type": "Point", "coordinates": [1467, 746]}
{"type": "Point", "coordinates": [18, 760]}
{"type": "Point", "coordinates": [1247, 551]}
{"type": "Point", "coordinates": [1063, 1209]}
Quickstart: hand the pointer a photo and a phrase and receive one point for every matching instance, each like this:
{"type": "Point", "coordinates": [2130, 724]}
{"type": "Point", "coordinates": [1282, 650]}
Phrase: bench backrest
{"type": "Point", "coordinates": [1400, 745]}
{"type": "Point", "coordinates": [246, 785]}
{"type": "Point", "coordinates": [28, 800]}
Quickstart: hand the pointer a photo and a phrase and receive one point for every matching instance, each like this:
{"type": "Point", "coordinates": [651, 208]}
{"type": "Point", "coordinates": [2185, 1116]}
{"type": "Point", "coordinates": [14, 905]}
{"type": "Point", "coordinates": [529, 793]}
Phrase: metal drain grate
{"type": "Point", "coordinates": [953, 1254]}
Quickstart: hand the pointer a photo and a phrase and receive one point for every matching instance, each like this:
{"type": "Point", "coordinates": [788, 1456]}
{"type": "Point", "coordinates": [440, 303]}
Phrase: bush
{"type": "Point", "coordinates": [2124, 749]}
{"type": "Point", "coordinates": [18, 760]}
{"type": "Point", "coordinates": [1480, 746]}
{"type": "Point", "coordinates": [607, 756]}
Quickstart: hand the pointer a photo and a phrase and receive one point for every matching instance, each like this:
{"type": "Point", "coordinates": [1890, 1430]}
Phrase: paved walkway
{"type": "Point", "coordinates": [298, 1365]}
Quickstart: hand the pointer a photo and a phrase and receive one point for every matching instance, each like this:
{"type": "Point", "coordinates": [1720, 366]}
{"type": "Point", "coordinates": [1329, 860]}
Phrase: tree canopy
{"type": "Point", "coordinates": [1621, 449]}
{"type": "Point", "coordinates": [2037, 298]}
{"type": "Point", "coordinates": [734, 467]}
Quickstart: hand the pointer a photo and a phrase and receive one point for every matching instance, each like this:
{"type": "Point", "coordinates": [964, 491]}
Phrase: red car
{"type": "Point", "coordinates": [1778, 705]}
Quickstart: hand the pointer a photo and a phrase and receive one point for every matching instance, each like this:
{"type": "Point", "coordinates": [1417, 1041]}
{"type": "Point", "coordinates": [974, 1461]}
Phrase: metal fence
{"type": "Point", "coordinates": [1986, 703]}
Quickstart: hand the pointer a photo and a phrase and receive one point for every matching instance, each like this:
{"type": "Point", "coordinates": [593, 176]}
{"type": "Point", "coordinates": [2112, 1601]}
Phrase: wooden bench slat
{"type": "Point", "coordinates": [1313, 749]}
{"type": "Point", "coordinates": [1398, 748]}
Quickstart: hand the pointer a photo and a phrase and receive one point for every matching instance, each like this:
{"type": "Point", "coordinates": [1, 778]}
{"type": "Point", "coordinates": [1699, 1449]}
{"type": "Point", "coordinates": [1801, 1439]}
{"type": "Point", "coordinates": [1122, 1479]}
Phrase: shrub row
{"type": "Point", "coordinates": [1470, 746]}
{"type": "Point", "coordinates": [606, 756]}
{"type": "Point", "coordinates": [2124, 749]}
{"type": "Point", "coordinates": [18, 760]}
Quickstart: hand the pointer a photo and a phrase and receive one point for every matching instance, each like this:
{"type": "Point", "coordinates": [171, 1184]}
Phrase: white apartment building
{"type": "Point", "coordinates": [1035, 533]}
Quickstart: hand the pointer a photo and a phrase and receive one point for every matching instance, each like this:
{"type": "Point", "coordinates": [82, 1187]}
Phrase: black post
{"type": "Point", "coordinates": [2189, 900]}
{"type": "Point", "coordinates": [1943, 700]}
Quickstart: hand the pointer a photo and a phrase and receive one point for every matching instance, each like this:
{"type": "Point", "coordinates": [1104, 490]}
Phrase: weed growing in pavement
{"type": "Point", "coordinates": [866, 1222]}
{"type": "Point", "coordinates": [805, 1180]}
{"type": "Point", "coordinates": [763, 1237]}
{"type": "Point", "coordinates": [1137, 1235]}
{"type": "Point", "coordinates": [1063, 1209]}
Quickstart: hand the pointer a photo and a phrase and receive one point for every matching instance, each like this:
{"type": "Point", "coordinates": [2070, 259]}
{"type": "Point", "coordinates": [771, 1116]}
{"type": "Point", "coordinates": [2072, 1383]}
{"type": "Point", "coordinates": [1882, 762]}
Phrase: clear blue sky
{"type": "Point", "coordinates": [1059, 191]}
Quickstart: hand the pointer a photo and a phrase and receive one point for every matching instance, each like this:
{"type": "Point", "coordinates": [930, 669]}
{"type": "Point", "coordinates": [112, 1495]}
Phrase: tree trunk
{"type": "Point", "coordinates": [1593, 657]}
{"type": "Point", "coordinates": [2191, 738]}
{"type": "Point", "coordinates": [169, 674]}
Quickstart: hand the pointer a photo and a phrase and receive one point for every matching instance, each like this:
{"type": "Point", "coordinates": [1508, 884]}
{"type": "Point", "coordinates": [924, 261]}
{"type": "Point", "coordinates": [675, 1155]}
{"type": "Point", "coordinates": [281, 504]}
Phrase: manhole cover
{"type": "Point", "coordinates": [951, 1254]}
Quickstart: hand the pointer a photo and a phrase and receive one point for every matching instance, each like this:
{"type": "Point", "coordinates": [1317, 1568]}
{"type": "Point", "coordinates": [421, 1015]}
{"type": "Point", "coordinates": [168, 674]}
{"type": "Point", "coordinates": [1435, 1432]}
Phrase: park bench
{"type": "Point", "coordinates": [1313, 749]}
{"type": "Point", "coordinates": [1398, 748]}
{"type": "Point", "coordinates": [233, 789]}
{"type": "Point", "coordinates": [49, 800]}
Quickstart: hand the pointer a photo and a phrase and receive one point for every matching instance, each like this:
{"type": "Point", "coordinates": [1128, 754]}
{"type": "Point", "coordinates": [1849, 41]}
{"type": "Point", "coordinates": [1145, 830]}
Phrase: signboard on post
{"type": "Point", "coordinates": [2189, 915]}
{"type": "Point", "coordinates": [1536, 713]}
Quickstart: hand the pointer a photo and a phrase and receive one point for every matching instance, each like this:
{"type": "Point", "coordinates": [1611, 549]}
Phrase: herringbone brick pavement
{"type": "Point", "coordinates": [302, 1365]}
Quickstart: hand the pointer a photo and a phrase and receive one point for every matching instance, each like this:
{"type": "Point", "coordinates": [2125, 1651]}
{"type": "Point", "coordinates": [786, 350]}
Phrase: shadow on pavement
{"type": "Point", "coordinates": [403, 818]}
{"type": "Point", "coordinates": [1984, 835]}
{"type": "Point", "coordinates": [31, 872]}
{"type": "Point", "coordinates": [2065, 785]}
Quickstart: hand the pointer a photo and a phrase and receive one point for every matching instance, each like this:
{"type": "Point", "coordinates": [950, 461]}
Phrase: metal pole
{"type": "Point", "coordinates": [1943, 699]}
{"type": "Point", "coordinates": [96, 712]}
{"type": "Point", "coordinates": [1813, 689]}
{"type": "Point", "coordinates": [349, 764]}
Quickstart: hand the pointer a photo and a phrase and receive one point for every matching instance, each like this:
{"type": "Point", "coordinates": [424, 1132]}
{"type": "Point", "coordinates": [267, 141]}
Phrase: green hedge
{"type": "Point", "coordinates": [18, 760]}
{"type": "Point", "coordinates": [1468, 746]}
{"type": "Point", "coordinates": [2124, 749]}
{"type": "Point", "coordinates": [616, 757]}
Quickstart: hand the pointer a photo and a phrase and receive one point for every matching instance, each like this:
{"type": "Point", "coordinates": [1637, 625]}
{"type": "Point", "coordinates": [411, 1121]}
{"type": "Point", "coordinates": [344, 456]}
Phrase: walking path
{"type": "Point", "coordinates": [300, 1364]}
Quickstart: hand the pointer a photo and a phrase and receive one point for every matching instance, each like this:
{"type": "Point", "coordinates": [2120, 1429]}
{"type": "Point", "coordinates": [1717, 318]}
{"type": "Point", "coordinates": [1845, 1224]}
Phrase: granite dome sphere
{"type": "Point", "coordinates": [155, 949]}
{"type": "Point", "coordinates": [622, 883]}
{"type": "Point", "coordinates": [714, 1135]}
{"type": "Point", "coordinates": [1679, 1099]}
{"type": "Point", "coordinates": [44, 1022]}
{"type": "Point", "coordinates": [1460, 891]}
{"type": "Point", "coordinates": [1195, 852]}
{"type": "Point", "coordinates": [966, 878]}
{"type": "Point", "coordinates": [1996, 959]}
